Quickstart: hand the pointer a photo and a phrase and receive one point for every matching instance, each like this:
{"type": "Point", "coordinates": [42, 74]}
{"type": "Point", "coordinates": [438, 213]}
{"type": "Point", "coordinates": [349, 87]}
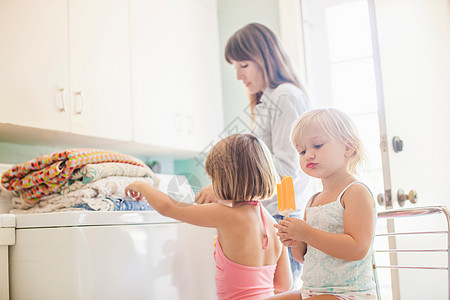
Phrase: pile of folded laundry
{"type": "Point", "coordinates": [76, 179]}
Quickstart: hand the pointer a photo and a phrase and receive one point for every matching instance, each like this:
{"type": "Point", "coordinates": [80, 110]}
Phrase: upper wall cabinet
{"type": "Point", "coordinates": [65, 65]}
{"type": "Point", "coordinates": [142, 71]}
{"type": "Point", "coordinates": [176, 73]}
{"type": "Point", "coordinates": [100, 75]}
{"type": "Point", "coordinates": [34, 67]}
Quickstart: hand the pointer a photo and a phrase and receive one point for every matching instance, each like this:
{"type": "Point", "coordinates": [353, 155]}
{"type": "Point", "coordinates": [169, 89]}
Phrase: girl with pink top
{"type": "Point", "coordinates": [251, 262]}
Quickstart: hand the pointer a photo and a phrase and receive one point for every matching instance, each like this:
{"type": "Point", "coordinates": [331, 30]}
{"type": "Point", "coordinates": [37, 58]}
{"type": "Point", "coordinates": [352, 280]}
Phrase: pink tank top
{"type": "Point", "coordinates": [235, 281]}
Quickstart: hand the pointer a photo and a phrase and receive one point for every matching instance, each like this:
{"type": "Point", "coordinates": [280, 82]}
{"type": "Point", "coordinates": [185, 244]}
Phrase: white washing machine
{"type": "Point", "coordinates": [104, 255]}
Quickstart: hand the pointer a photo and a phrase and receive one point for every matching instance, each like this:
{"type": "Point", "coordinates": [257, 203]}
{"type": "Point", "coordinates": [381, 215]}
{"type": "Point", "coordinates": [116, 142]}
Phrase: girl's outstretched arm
{"type": "Point", "coordinates": [354, 243]}
{"type": "Point", "coordinates": [206, 215]}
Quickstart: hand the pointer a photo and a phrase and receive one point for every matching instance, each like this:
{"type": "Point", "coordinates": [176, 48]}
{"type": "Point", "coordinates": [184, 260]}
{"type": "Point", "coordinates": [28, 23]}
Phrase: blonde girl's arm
{"type": "Point", "coordinates": [298, 248]}
{"type": "Point", "coordinates": [206, 215]}
{"type": "Point", "coordinates": [355, 242]}
{"type": "Point", "coordinates": [299, 252]}
{"type": "Point", "coordinates": [282, 280]}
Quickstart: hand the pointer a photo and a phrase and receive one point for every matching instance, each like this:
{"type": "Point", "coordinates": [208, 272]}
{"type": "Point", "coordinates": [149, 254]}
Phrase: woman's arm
{"type": "Point", "coordinates": [282, 280]}
{"type": "Point", "coordinates": [207, 215]}
{"type": "Point", "coordinates": [354, 243]}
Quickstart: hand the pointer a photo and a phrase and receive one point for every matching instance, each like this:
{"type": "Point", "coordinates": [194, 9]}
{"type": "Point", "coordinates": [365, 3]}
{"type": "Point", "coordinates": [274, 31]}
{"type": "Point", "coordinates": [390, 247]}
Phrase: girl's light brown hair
{"type": "Point", "coordinates": [255, 42]}
{"type": "Point", "coordinates": [241, 169]}
{"type": "Point", "coordinates": [337, 125]}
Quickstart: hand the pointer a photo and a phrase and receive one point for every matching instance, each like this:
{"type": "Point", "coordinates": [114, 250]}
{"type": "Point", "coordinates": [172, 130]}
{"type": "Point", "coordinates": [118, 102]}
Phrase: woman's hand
{"type": "Point", "coordinates": [206, 195]}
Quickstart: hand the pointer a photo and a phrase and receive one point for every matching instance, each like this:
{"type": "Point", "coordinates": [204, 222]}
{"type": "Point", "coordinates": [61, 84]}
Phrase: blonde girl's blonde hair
{"type": "Point", "coordinates": [336, 124]}
{"type": "Point", "coordinates": [241, 169]}
{"type": "Point", "coordinates": [255, 42]}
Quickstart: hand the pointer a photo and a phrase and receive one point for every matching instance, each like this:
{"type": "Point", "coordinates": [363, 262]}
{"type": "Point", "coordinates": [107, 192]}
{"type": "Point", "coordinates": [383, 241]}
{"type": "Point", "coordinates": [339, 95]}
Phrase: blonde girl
{"type": "Point", "coordinates": [334, 241]}
{"type": "Point", "coordinates": [251, 262]}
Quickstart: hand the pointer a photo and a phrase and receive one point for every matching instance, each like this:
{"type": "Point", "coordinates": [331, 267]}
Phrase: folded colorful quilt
{"type": "Point", "coordinates": [47, 173]}
{"type": "Point", "coordinates": [94, 172]}
{"type": "Point", "coordinates": [94, 193]}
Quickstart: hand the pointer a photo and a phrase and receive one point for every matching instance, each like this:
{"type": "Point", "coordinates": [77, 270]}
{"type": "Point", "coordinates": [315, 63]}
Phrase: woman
{"type": "Point", "coordinates": [277, 99]}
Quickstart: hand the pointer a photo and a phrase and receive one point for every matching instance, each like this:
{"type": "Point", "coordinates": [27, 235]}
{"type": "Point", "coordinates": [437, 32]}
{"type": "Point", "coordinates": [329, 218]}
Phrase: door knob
{"type": "Point", "coordinates": [380, 199]}
{"type": "Point", "coordinates": [402, 197]}
{"type": "Point", "coordinates": [397, 144]}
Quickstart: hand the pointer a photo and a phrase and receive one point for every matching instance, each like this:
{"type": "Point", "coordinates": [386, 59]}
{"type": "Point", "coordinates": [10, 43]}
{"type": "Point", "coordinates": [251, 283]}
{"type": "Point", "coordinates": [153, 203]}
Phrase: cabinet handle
{"type": "Point", "coordinates": [62, 91]}
{"type": "Point", "coordinates": [190, 124]}
{"type": "Point", "coordinates": [81, 94]}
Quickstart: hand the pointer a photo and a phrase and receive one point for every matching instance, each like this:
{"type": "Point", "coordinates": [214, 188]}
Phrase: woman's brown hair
{"type": "Point", "coordinates": [255, 42]}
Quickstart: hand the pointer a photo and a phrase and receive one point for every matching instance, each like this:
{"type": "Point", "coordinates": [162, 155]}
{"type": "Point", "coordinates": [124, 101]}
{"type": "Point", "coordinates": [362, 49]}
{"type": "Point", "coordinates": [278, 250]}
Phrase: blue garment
{"type": "Point", "coordinates": [296, 267]}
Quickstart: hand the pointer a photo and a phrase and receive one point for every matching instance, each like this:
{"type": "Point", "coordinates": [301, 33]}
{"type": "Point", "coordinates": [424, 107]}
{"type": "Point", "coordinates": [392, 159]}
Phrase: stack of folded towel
{"type": "Point", "coordinates": [76, 179]}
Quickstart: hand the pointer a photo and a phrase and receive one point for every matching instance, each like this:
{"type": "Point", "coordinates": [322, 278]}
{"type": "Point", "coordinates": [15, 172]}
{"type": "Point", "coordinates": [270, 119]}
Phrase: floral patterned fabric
{"type": "Point", "coordinates": [47, 173]}
{"type": "Point", "coordinates": [93, 172]}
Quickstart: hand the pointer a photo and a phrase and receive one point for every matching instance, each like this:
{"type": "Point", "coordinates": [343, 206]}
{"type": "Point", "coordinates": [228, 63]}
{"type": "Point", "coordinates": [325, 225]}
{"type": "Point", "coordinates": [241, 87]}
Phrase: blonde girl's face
{"type": "Point", "coordinates": [250, 74]}
{"type": "Point", "coordinates": [321, 155]}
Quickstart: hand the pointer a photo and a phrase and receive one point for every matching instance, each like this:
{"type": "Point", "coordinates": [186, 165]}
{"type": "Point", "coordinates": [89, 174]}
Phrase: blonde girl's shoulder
{"type": "Point", "coordinates": [358, 194]}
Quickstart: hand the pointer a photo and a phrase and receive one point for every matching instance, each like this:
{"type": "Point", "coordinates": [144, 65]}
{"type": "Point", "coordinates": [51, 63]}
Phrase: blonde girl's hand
{"type": "Point", "coordinates": [292, 228]}
{"type": "Point", "coordinates": [134, 190]}
{"type": "Point", "coordinates": [287, 242]}
{"type": "Point", "coordinates": [290, 243]}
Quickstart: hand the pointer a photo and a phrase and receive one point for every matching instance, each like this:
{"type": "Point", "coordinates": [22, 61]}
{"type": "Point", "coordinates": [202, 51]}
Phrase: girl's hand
{"type": "Point", "coordinates": [287, 242]}
{"type": "Point", "coordinates": [292, 229]}
{"type": "Point", "coordinates": [290, 243]}
{"type": "Point", "coordinates": [134, 190]}
{"type": "Point", "coordinates": [206, 195]}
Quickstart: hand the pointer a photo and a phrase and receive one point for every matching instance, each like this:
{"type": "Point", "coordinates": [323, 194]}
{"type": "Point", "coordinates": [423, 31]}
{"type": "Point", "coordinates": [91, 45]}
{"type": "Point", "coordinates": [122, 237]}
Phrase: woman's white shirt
{"type": "Point", "coordinates": [274, 117]}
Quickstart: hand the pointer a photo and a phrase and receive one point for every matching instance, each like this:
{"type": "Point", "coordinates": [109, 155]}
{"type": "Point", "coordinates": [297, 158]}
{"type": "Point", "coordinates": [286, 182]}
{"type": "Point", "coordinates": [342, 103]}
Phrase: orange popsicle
{"type": "Point", "coordinates": [286, 196]}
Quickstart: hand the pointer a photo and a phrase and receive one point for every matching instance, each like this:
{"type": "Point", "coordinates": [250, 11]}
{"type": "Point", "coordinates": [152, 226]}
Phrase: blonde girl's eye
{"type": "Point", "coordinates": [318, 146]}
{"type": "Point", "coordinates": [302, 152]}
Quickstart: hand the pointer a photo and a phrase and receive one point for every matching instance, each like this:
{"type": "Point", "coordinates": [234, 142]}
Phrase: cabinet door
{"type": "Point", "coordinates": [157, 57]}
{"type": "Point", "coordinates": [176, 73]}
{"type": "Point", "coordinates": [34, 63]}
{"type": "Point", "coordinates": [203, 105]}
{"type": "Point", "coordinates": [100, 68]}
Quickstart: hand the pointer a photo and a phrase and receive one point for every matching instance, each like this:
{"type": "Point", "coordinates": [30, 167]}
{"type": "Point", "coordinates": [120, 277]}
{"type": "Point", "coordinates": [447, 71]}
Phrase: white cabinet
{"type": "Point", "coordinates": [142, 71]}
{"type": "Point", "coordinates": [34, 63]}
{"type": "Point", "coordinates": [176, 73]}
{"type": "Point", "coordinates": [65, 65]}
{"type": "Point", "coordinates": [100, 68]}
